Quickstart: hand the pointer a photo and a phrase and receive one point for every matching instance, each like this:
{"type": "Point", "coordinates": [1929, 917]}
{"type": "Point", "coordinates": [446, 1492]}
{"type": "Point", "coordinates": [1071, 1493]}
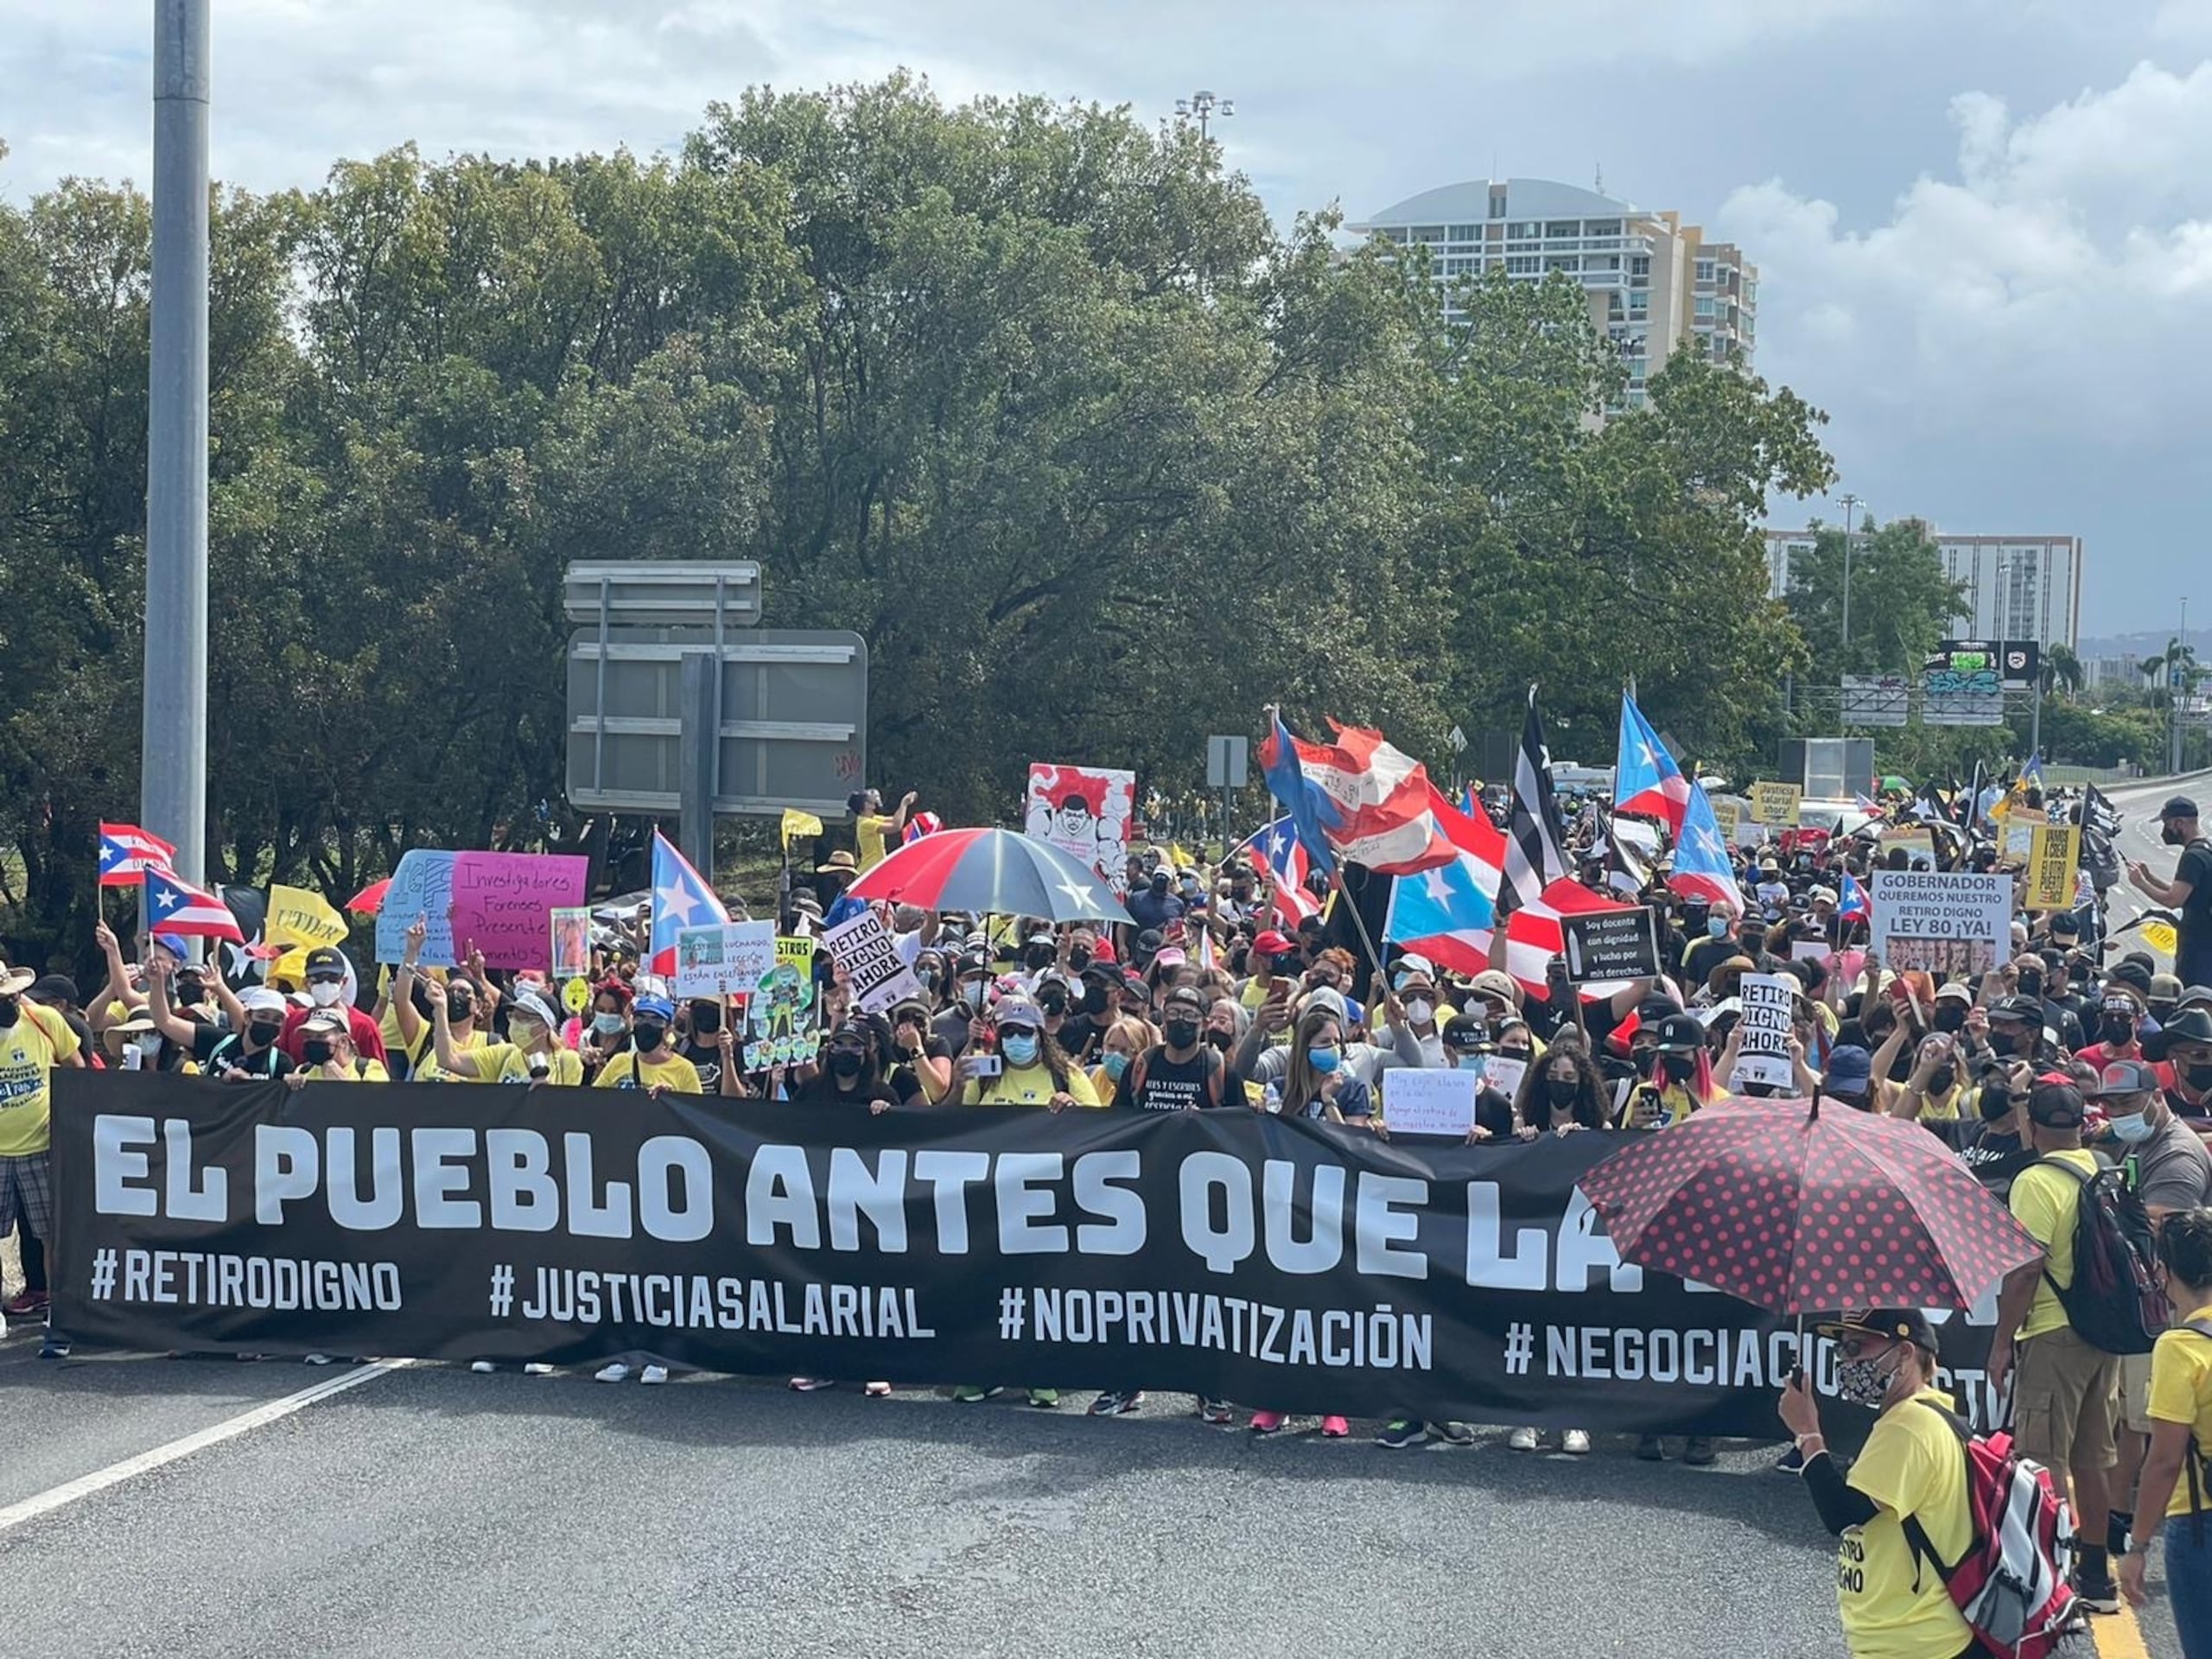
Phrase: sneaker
{"type": "Point", "coordinates": [1045, 1399]}
{"type": "Point", "coordinates": [482, 1367]}
{"type": "Point", "coordinates": [616, 1372]}
{"type": "Point", "coordinates": [653, 1374]}
{"type": "Point", "coordinates": [1267, 1422]}
{"type": "Point", "coordinates": [1402, 1432]}
{"type": "Point", "coordinates": [1791, 1462]}
{"type": "Point", "coordinates": [968, 1393]}
{"type": "Point", "coordinates": [811, 1384]}
{"type": "Point", "coordinates": [1522, 1439]}
{"type": "Point", "coordinates": [1452, 1434]}
{"type": "Point", "coordinates": [1651, 1449]}
{"type": "Point", "coordinates": [1334, 1429]}
{"type": "Point", "coordinates": [24, 1304]}
{"type": "Point", "coordinates": [1575, 1442]}
{"type": "Point", "coordinates": [2099, 1594]}
{"type": "Point", "coordinates": [537, 1368]}
{"type": "Point", "coordinates": [1115, 1401]}
{"type": "Point", "coordinates": [53, 1348]}
{"type": "Point", "coordinates": [1698, 1453]}
{"type": "Point", "coordinates": [1217, 1412]}
{"type": "Point", "coordinates": [316, 1359]}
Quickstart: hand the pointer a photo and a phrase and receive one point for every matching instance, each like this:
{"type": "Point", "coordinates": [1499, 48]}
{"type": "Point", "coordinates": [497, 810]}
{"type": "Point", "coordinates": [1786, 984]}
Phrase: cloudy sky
{"type": "Point", "coordinates": [1984, 226]}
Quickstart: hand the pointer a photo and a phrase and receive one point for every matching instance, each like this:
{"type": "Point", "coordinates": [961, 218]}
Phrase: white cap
{"type": "Point", "coordinates": [260, 999]}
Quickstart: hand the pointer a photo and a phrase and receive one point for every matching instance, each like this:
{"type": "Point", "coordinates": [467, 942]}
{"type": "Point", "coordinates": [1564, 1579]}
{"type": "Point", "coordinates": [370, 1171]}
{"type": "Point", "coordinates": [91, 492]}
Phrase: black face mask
{"type": "Point", "coordinates": [2116, 1031]}
{"type": "Point", "coordinates": [2008, 1042]}
{"type": "Point", "coordinates": [846, 1063]}
{"type": "Point", "coordinates": [459, 1008]}
{"type": "Point", "coordinates": [706, 1019]}
{"type": "Point", "coordinates": [1093, 999]}
{"type": "Point", "coordinates": [1052, 999]}
{"type": "Point", "coordinates": [2198, 1076]}
{"type": "Point", "coordinates": [316, 1053]}
{"type": "Point", "coordinates": [1949, 1016]}
{"type": "Point", "coordinates": [263, 1033]}
{"type": "Point", "coordinates": [1996, 1103]}
{"type": "Point", "coordinates": [1644, 1059]}
{"type": "Point", "coordinates": [1225, 1041]}
{"type": "Point", "coordinates": [1080, 958]}
{"type": "Point", "coordinates": [1678, 1068]}
{"type": "Point", "coordinates": [191, 994]}
{"type": "Point", "coordinates": [1037, 957]}
{"type": "Point", "coordinates": [1180, 1033]}
{"type": "Point", "coordinates": [1562, 1092]}
{"type": "Point", "coordinates": [9, 1006]}
{"type": "Point", "coordinates": [1160, 884]}
{"type": "Point", "coordinates": [648, 1037]}
{"type": "Point", "coordinates": [1943, 1077]}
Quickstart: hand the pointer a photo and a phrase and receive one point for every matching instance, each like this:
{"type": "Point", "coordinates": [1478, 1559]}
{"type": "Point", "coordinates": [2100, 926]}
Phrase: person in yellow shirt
{"type": "Point", "coordinates": [648, 1064]}
{"type": "Point", "coordinates": [2177, 1476]}
{"type": "Point", "coordinates": [872, 828]}
{"type": "Point", "coordinates": [2065, 1393]}
{"type": "Point", "coordinates": [34, 1040]}
{"type": "Point", "coordinates": [465, 1008]}
{"type": "Point", "coordinates": [528, 1055]}
{"type": "Point", "coordinates": [1913, 1468]}
{"type": "Point", "coordinates": [1033, 1072]}
{"type": "Point", "coordinates": [327, 1054]}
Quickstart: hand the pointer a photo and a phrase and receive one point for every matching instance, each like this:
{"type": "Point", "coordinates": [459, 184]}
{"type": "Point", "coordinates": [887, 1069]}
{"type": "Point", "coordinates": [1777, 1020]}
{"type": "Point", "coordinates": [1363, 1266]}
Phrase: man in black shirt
{"type": "Point", "coordinates": [2189, 893]}
{"type": "Point", "coordinates": [1181, 1074]}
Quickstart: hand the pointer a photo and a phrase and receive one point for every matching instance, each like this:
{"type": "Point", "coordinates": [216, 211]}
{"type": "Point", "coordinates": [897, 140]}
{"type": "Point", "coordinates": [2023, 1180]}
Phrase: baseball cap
{"type": "Point", "coordinates": [2164, 987]}
{"type": "Point", "coordinates": [323, 1019]}
{"type": "Point", "coordinates": [2180, 807]}
{"type": "Point", "coordinates": [1272, 943]}
{"type": "Point", "coordinates": [910, 1007]}
{"type": "Point", "coordinates": [54, 988]}
{"type": "Point", "coordinates": [2056, 1105]}
{"type": "Point", "coordinates": [1851, 1068]}
{"type": "Point", "coordinates": [970, 964]}
{"type": "Point", "coordinates": [2126, 1077]}
{"type": "Point", "coordinates": [1496, 982]}
{"type": "Point", "coordinates": [1462, 1031]}
{"type": "Point", "coordinates": [326, 959]}
{"type": "Point", "coordinates": [1678, 1033]}
{"type": "Point", "coordinates": [1895, 1323]}
{"type": "Point", "coordinates": [656, 1007]}
{"type": "Point", "coordinates": [1325, 996]}
{"type": "Point", "coordinates": [2021, 1010]}
{"type": "Point", "coordinates": [1018, 1011]}
{"type": "Point", "coordinates": [260, 999]}
{"type": "Point", "coordinates": [1954, 990]}
{"type": "Point", "coordinates": [536, 1006]}
{"type": "Point", "coordinates": [1185, 993]}
{"type": "Point", "coordinates": [1173, 956]}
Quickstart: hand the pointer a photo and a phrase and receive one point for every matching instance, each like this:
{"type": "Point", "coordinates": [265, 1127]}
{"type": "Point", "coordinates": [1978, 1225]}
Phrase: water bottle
{"type": "Point", "coordinates": [1272, 1100]}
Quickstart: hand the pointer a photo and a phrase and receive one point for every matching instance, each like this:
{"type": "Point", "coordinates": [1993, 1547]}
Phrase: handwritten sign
{"type": "Point", "coordinates": [1952, 923]}
{"type": "Point", "coordinates": [798, 953]}
{"type": "Point", "coordinates": [1503, 1072]}
{"type": "Point", "coordinates": [723, 957]}
{"type": "Point", "coordinates": [1430, 1102]}
{"type": "Point", "coordinates": [2054, 857]}
{"type": "Point", "coordinates": [865, 949]}
{"type": "Point", "coordinates": [1776, 803]}
{"type": "Point", "coordinates": [1728, 817]}
{"type": "Point", "coordinates": [503, 903]}
{"type": "Point", "coordinates": [421, 886]}
{"type": "Point", "coordinates": [1763, 1033]}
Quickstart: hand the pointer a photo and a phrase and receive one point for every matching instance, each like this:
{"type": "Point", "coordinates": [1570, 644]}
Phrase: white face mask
{"type": "Point", "coordinates": [326, 993]}
{"type": "Point", "coordinates": [148, 1050]}
{"type": "Point", "coordinates": [1421, 1011]}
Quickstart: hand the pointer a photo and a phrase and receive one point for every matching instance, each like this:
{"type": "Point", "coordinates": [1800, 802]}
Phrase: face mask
{"type": "Point", "coordinates": [1052, 999]}
{"type": "Point", "coordinates": [1863, 1381]}
{"type": "Point", "coordinates": [606, 1025]}
{"type": "Point", "coordinates": [2198, 1076]}
{"type": "Point", "coordinates": [1678, 1068]}
{"type": "Point", "coordinates": [149, 1050]}
{"type": "Point", "coordinates": [326, 993]}
{"type": "Point", "coordinates": [1950, 1017]}
{"type": "Point", "coordinates": [1421, 1011]}
{"type": "Point", "coordinates": [845, 1063]}
{"type": "Point", "coordinates": [1093, 999]}
{"type": "Point", "coordinates": [1180, 1033]}
{"type": "Point", "coordinates": [1222, 1039]}
{"type": "Point", "coordinates": [2030, 984]}
{"type": "Point", "coordinates": [1996, 1103]}
{"type": "Point", "coordinates": [8, 1006]}
{"type": "Point", "coordinates": [1469, 1063]}
{"type": "Point", "coordinates": [263, 1033]}
{"type": "Point", "coordinates": [2117, 1031]}
{"type": "Point", "coordinates": [459, 1008]}
{"type": "Point", "coordinates": [2006, 1042]}
{"type": "Point", "coordinates": [706, 1019]}
{"type": "Point", "coordinates": [1716, 927]}
{"type": "Point", "coordinates": [1324, 1060]}
{"type": "Point", "coordinates": [1644, 1059]}
{"type": "Point", "coordinates": [1116, 1064]}
{"type": "Point", "coordinates": [315, 1053]}
{"type": "Point", "coordinates": [1037, 958]}
{"type": "Point", "coordinates": [1160, 884]}
{"type": "Point", "coordinates": [1079, 959]}
{"type": "Point", "coordinates": [1943, 1077]}
{"type": "Point", "coordinates": [972, 993]}
{"type": "Point", "coordinates": [2134, 1128]}
{"type": "Point", "coordinates": [1019, 1049]}
{"type": "Point", "coordinates": [649, 1038]}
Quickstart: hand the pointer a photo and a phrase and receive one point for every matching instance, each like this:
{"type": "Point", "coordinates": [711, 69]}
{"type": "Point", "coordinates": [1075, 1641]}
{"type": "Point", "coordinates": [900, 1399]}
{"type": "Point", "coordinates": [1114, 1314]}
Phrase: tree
{"type": "Point", "coordinates": [1901, 602]}
{"type": "Point", "coordinates": [2061, 668]}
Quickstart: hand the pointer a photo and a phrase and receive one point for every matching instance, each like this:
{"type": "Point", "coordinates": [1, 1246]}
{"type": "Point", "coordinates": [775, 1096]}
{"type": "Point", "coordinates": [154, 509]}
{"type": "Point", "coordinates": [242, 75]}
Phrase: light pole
{"type": "Point", "coordinates": [2173, 691]}
{"type": "Point", "coordinates": [1850, 505]}
{"type": "Point", "coordinates": [2005, 567]}
{"type": "Point", "coordinates": [1202, 106]}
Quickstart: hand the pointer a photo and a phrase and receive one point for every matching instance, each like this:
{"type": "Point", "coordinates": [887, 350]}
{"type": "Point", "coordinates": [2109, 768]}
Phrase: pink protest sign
{"type": "Point", "coordinates": [503, 903]}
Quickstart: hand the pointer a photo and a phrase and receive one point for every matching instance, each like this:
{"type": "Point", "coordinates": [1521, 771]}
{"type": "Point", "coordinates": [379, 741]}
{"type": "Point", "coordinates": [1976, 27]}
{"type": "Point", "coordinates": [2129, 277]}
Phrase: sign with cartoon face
{"type": "Point", "coordinates": [1084, 812]}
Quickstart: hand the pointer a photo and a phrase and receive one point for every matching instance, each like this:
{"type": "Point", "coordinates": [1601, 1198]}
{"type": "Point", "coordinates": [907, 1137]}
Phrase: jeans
{"type": "Point", "coordinates": [2189, 1581]}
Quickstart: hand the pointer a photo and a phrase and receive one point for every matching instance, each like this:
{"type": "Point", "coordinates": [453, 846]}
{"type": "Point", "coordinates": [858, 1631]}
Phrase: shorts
{"type": "Point", "coordinates": [27, 1195]}
{"type": "Point", "coordinates": [2065, 1401]}
{"type": "Point", "coordinates": [2135, 1393]}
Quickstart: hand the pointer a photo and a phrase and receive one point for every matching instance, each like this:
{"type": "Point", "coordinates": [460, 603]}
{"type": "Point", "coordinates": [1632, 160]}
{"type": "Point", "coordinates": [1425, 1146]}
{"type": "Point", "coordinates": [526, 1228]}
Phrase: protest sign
{"type": "Point", "coordinates": [1952, 923]}
{"type": "Point", "coordinates": [1918, 842]}
{"type": "Point", "coordinates": [1728, 817]}
{"type": "Point", "coordinates": [1418, 1101]}
{"type": "Point", "coordinates": [571, 941]}
{"type": "Point", "coordinates": [779, 1020]}
{"type": "Point", "coordinates": [723, 957]}
{"type": "Point", "coordinates": [503, 903]}
{"type": "Point", "coordinates": [865, 949]}
{"type": "Point", "coordinates": [1609, 946]}
{"type": "Point", "coordinates": [1810, 950]}
{"type": "Point", "coordinates": [1503, 1072]}
{"type": "Point", "coordinates": [1776, 803]}
{"type": "Point", "coordinates": [1084, 812]}
{"type": "Point", "coordinates": [799, 953]}
{"type": "Point", "coordinates": [2054, 857]}
{"type": "Point", "coordinates": [421, 886]}
{"type": "Point", "coordinates": [2021, 823]}
{"type": "Point", "coordinates": [1763, 1033]}
{"type": "Point", "coordinates": [1455, 1281]}
{"type": "Point", "coordinates": [297, 916]}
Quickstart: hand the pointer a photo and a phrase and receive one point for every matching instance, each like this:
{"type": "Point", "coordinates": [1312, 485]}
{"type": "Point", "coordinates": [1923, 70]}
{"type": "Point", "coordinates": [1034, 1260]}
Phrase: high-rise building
{"type": "Point", "coordinates": [1656, 285]}
{"type": "Point", "coordinates": [2017, 587]}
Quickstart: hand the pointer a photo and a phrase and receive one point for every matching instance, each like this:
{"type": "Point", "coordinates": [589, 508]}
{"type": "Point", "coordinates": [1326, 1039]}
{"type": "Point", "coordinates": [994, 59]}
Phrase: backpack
{"type": "Point", "coordinates": [2114, 1302]}
{"type": "Point", "coordinates": [2011, 1584]}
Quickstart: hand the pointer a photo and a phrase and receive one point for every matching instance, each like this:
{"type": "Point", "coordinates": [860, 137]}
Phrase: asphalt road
{"type": "Point", "coordinates": [2138, 839]}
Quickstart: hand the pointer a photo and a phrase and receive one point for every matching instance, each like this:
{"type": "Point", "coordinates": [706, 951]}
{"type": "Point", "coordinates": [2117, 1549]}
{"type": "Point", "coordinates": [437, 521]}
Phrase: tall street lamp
{"type": "Point", "coordinates": [1851, 503]}
{"type": "Point", "coordinates": [1202, 107]}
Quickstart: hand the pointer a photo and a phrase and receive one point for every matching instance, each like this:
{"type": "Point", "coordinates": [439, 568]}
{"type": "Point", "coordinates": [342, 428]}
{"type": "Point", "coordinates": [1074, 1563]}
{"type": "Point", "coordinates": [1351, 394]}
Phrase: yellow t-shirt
{"type": "Point", "coordinates": [1913, 1465]}
{"type": "Point", "coordinates": [870, 833]}
{"type": "Point", "coordinates": [2047, 1203]}
{"type": "Point", "coordinates": [626, 1071]}
{"type": "Point", "coordinates": [1027, 1085]}
{"type": "Point", "coordinates": [362, 1070]}
{"type": "Point", "coordinates": [2181, 1392]}
{"type": "Point", "coordinates": [28, 1050]}
{"type": "Point", "coordinates": [422, 1055]}
{"type": "Point", "coordinates": [1947, 1108]}
{"type": "Point", "coordinates": [505, 1063]}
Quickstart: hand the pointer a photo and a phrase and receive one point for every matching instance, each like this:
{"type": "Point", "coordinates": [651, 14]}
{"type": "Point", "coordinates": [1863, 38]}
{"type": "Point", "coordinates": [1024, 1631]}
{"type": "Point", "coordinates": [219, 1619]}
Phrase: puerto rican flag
{"type": "Point", "coordinates": [1646, 781]}
{"type": "Point", "coordinates": [1373, 804]}
{"type": "Point", "coordinates": [1701, 867]}
{"type": "Point", "coordinates": [1852, 903]}
{"type": "Point", "coordinates": [176, 908]}
{"type": "Point", "coordinates": [1277, 846]}
{"type": "Point", "coordinates": [680, 898]}
{"type": "Point", "coordinates": [128, 852]}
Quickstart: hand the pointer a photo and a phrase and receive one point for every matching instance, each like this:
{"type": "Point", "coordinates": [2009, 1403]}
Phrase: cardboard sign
{"type": "Point", "coordinates": [1086, 813]}
{"type": "Point", "coordinates": [869, 953]}
{"type": "Point", "coordinates": [1918, 841]}
{"type": "Point", "coordinates": [1763, 1033]}
{"type": "Point", "coordinates": [571, 941]}
{"type": "Point", "coordinates": [2020, 826]}
{"type": "Point", "coordinates": [2054, 861]}
{"type": "Point", "coordinates": [1503, 1072]}
{"type": "Point", "coordinates": [1430, 1102]}
{"type": "Point", "coordinates": [1728, 816]}
{"type": "Point", "coordinates": [503, 903]}
{"type": "Point", "coordinates": [799, 953]}
{"type": "Point", "coordinates": [1810, 950]}
{"type": "Point", "coordinates": [297, 916]}
{"type": "Point", "coordinates": [421, 886]}
{"type": "Point", "coordinates": [779, 1020]}
{"type": "Point", "coordinates": [723, 957]}
{"type": "Point", "coordinates": [1776, 803]}
{"type": "Point", "coordinates": [1954, 923]}
{"type": "Point", "coordinates": [1611, 944]}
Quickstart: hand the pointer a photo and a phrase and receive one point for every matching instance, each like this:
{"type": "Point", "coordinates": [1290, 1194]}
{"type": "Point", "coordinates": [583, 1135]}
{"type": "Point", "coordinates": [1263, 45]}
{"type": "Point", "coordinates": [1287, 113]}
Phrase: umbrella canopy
{"type": "Point", "coordinates": [992, 872]}
{"type": "Point", "coordinates": [370, 899]}
{"type": "Point", "coordinates": [1805, 1211]}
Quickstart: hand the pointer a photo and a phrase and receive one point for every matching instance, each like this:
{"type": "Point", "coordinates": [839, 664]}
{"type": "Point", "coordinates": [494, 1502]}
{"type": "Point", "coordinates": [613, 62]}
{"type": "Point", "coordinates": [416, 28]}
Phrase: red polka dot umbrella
{"type": "Point", "coordinates": [1804, 1210]}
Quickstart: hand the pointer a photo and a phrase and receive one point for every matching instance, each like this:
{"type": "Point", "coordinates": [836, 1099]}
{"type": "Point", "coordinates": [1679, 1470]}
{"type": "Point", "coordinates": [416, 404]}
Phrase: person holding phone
{"type": "Point", "coordinates": [1019, 1064]}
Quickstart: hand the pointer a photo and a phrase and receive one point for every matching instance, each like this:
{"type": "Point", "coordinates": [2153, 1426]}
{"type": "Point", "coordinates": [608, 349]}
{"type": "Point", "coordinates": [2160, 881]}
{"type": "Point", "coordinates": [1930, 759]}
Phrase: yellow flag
{"type": "Point", "coordinates": [297, 916]}
{"type": "Point", "coordinates": [798, 823]}
{"type": "Point", "coordinates": [2160, 935]}
{"type": "Point", "coordinates": [1180, 859]}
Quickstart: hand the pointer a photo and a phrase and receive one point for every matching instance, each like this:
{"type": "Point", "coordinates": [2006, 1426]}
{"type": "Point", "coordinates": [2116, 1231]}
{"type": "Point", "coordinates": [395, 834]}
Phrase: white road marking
{"type": "Point", "coordinates": [100, 1479]}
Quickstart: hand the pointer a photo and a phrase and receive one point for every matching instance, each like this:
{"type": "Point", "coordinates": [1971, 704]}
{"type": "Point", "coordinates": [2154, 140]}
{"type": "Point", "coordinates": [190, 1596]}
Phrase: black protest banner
{"type": "Point", "coordinates": [1611, 944]}
{"type": "Point", "coordinates": [1282, 1264]}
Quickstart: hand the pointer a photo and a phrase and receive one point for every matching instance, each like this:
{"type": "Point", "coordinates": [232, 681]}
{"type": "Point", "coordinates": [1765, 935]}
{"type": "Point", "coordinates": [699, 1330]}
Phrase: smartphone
{"type": "Point", "coordinates": [985, 1065]}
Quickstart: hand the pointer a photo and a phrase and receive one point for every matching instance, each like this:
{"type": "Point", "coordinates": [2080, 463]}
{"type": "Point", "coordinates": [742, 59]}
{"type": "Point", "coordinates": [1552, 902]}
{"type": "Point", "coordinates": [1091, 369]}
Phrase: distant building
{"type": "Point", "coordinates": [1656, 286]}
{"type": "Point", "coordinates": [2115, 670]}
{"type": "Point", "coordinates": [2017, 587]}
